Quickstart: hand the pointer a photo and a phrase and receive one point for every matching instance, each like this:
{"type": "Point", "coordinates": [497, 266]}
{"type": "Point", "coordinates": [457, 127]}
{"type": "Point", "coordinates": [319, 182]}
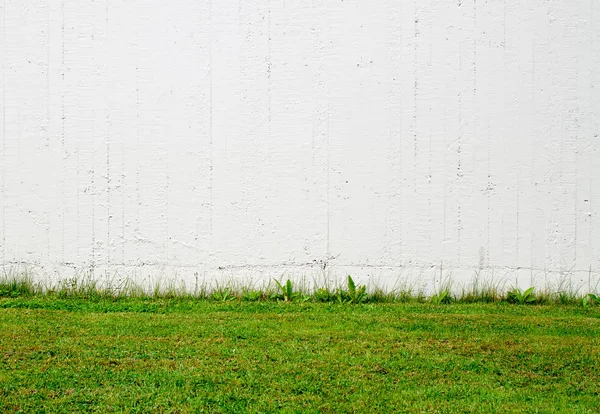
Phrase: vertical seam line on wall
{"type": "Point", "coordinates": [489, 173]}
{"type": "Point", "coordinates": [489, 176]}
{"type": "Point", "coordinates": [533, 142]}
{"type": "Point", "coordinates": [475, 82]}
{"type": "Point", "coordinates": [328, 144]}
{"type": "Point", "coordinates": [122, 183]}
{"type": "Point", "coordinates": [503, 106]}
{"type": "Point", "coordinates": [210, 123]}
{"type": "Point", "coordinates": [107, 143]}
{"type": "Point", "coordinates": [459, 146]}
{"type": "Point", "coordinates": [48, 114]}
{"type": "Point", "coordinates": [430, 173]}
{"type": "Point", "coordinates": [269, 68]}
{"type": "Point", "coordinates": [4, 132]}
{"type": "Point", "coordinates": [416, 32]}
{"type": "Point", "coordinates": [328, 184]}
{"type": "Point", "coordinates": [444, 202]}
{"type": "Point", "coordinates": [577, 152]}
{"type": "Point", "coordinates": [593, 135]}
{"type": "Point", "coordinates": [62, 140]}
{"type": "Point", "coordinates": [518, 191]}
{"type": "Point", "coordinates": [458, 150]}
{"type": "Point", "coordinates": [137, 156]}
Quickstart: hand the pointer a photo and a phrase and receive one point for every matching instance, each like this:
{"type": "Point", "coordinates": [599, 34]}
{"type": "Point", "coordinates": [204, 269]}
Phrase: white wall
{"type": "Point", "coordinates": [393, 140]}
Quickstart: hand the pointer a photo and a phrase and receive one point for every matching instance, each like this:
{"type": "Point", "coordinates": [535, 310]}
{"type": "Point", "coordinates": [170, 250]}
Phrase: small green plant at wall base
{"type": "Point", "coordinates": [304, 297]}
{"type": "Point", "coordinates": [522, 297]}
{"type": "Point", "coordinates": [15, 287]}
{"type": "Point", "coordinates": [323, 295]}
{"type": "Point", "coordinates": [287, 290]}
{"type": "Point", "coordinates": [223, 295]}
{"type": "Point", "coordinates": [251, 295]}
{"type": "Point", "coordinates": [341, 296]}
{"type": "Point", "coordinates": [441, 297]}
{"type": "Point", "coordinates": [356, 294]}
{"type": "Point", "coordinates": [585, 301]}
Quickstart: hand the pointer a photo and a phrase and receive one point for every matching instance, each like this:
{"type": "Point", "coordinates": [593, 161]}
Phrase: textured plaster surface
{"type": "Point", "coordinates": [397, 141]}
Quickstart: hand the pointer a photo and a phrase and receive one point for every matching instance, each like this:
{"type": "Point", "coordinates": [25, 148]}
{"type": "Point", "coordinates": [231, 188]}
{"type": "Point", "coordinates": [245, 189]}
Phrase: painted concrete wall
{"type": "Point", "coordinates": [393, 140]}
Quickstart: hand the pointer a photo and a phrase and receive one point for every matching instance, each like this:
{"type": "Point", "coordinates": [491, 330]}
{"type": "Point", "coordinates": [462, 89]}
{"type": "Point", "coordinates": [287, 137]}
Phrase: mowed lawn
{"type": "Point", "coordinates": [134, 355]}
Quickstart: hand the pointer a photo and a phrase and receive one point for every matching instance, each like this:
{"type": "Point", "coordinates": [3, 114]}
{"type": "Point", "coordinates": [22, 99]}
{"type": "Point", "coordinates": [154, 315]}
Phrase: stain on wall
{"type": "Point", "coordinates": [398, 141]}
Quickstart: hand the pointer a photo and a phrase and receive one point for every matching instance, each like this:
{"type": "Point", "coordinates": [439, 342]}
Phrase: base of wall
{"type": "Point", "coordinates": [425, 279]}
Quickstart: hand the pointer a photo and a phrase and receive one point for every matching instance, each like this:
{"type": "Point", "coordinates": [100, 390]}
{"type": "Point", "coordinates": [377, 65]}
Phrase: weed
{"type": "Point", "coordinates": [516, 295]}
{"type": "Point", "coordinates": [222, 295]}
{"type": "Point", "coordinates": [595, 298]}
{"type": "Point", "coordinates": [567, 297]}
{"type": "Point", "coordinates": [251, 295]}
{"type": "Point", "coordinates": [481, 292]}
{"type": "Point", "coordinates": [286, 291]}
{"type": "Point", "coordinates": [356, 294]}
{"type": "Point", "coordinates": [353, 294]}
{"type": "Point", "coordinates": [86, 288]}
{"type": "Point", "coordinates": [381, 296]}
{"type": "Point", "coordinates": [441, 297]}
{"type": "Point", "coordinates": [566, 294]}
{"type": "Point", "coordinates": [585, 301]}
{"type": "Point", "coordinates": [13, 286]}
{"type": "Point", "coordinates": [341, 296]}
{"type": "Point", "coordinates": [405, 296]}
{"type": "Point", "coordinates": [323, 295]}
{"type": "Point", "coordinates": [304, 297]}
{"type": "Point", "coordinates": [545, 297]}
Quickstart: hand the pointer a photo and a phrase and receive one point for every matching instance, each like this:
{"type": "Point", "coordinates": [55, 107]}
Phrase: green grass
{"type": "Point", "coordinates": [13, 285]}
{"type": "Point", "coordinates": [180, 354]}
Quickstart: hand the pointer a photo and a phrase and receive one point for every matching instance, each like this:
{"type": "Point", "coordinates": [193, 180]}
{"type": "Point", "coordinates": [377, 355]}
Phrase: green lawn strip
{"type": "Point", "coordinates": [187, 356]}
